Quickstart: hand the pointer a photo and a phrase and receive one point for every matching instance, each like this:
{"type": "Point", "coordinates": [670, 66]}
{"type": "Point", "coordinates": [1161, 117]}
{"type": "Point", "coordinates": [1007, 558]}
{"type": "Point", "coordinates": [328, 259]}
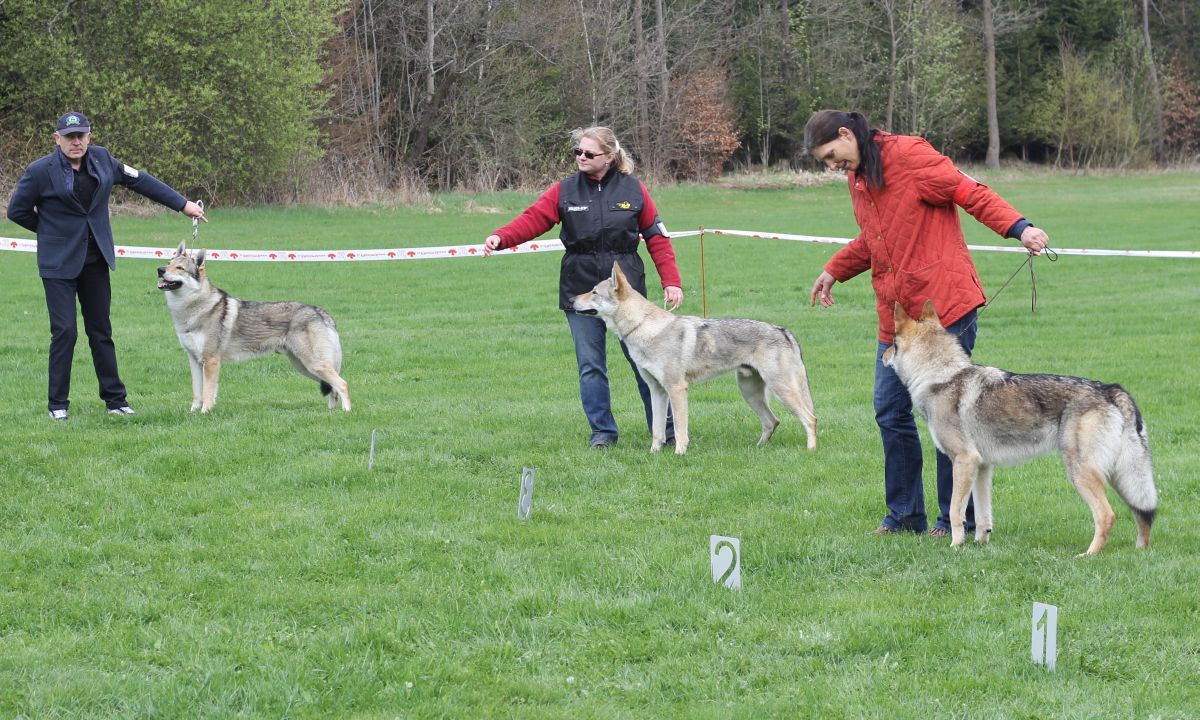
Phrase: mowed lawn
{"type": "Point", "coordinates": [248, 563]}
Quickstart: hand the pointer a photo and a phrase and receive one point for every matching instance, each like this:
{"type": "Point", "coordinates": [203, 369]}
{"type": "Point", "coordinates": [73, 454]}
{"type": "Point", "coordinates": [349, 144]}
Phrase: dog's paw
{"type": "Point", "coordinates": [655, 446]}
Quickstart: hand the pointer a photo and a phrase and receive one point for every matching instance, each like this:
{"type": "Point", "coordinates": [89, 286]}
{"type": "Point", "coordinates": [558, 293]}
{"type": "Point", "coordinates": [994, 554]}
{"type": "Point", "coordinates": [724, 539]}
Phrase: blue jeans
{"type": "Point", "coordinates": [589, 334]}
{"type": "Point", "coordinates": [904, 492]}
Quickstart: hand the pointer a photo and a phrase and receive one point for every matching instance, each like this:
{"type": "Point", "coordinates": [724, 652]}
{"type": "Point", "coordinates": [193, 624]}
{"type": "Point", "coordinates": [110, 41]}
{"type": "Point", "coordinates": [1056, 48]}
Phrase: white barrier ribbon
{"type": "Point", "coordinates": [990, 248]}
{"type": "Point", "coordinates": [283, 256]}
{"type": "Point", "coordinates": [548, 245]}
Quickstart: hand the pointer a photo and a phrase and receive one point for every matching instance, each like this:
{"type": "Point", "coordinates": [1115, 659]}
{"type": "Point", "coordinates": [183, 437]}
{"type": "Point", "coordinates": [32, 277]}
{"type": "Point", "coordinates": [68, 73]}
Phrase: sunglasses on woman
{"type": "Point", "coordinates": [586, 154]}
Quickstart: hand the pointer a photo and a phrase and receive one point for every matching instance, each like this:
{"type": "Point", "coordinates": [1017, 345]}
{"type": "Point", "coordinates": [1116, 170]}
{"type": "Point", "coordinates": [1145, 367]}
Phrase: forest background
{"type": "Point", "coordinates": [357, 101]}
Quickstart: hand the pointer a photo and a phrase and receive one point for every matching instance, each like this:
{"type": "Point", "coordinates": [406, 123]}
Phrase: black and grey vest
{"type": "Point", "coordinates": [599, 225]}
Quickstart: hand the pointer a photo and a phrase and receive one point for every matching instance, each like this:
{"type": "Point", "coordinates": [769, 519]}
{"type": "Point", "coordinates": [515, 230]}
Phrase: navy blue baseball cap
{"type": "Point", "coordinates": [73, 122]}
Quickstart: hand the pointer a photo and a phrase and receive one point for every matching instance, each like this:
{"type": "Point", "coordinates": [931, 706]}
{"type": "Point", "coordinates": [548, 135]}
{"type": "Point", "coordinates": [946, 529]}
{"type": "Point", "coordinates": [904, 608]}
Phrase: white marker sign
{"type": "Point", "coordinates": [1045, 632]}
{"type": "Point", "coordinates": [726, 556]}
{"type": "Point", "coordinates": [525, 504]}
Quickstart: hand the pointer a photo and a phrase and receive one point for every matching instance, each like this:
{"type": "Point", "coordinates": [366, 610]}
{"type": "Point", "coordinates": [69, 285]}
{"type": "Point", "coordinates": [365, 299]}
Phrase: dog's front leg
{"type": "Point", "coordinates": [197, 381]}
{"type": "Point", "coordinates": [212, 371]}
{"type": "Point", "coordinates": [658, 413]}
{"type": "Point", "coordinates": [679, 411]}
{"type": "Point", "coordinates": [966, 464]}
{"type": "Point", "coordinates": [982, 492]}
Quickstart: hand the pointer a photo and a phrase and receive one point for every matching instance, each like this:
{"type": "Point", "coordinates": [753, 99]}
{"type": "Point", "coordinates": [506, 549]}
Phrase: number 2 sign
{"type": "Point", "coordinates": [726, 556]}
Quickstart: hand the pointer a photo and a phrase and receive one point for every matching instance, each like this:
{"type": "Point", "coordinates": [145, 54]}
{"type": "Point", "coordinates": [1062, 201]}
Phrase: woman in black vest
{"type": "Point", "coordinates": [604, 211]}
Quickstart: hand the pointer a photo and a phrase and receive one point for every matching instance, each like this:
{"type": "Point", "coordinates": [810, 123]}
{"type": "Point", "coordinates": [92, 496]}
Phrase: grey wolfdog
{"type": "Point", "coordinates": [673, 351]}
{"type": "Point", "coordinates": [215, 327]}
{"type": "Point", "coordinates": [982, 416]}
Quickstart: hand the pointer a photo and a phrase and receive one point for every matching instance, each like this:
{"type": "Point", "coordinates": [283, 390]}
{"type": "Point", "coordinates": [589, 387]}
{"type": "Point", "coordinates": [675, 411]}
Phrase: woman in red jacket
{"type": "Point", "coordinates": [604, 211]}
{"type": "Point", "coordinates": [905, 195]}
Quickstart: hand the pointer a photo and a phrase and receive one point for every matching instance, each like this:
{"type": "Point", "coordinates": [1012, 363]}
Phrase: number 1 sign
{"type": "Point", "coordinates": [1045, 631]}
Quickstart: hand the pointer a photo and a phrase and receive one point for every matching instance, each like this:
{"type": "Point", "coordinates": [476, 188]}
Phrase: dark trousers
{"type": "Point", "coordinates": [904, 492]}
{"type": "Point", "coordinates": [92, 289]}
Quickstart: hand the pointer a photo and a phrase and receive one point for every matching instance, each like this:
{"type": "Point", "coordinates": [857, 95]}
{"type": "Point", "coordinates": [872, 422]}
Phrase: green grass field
{"type": "Point", "coordinates": [246, 563]}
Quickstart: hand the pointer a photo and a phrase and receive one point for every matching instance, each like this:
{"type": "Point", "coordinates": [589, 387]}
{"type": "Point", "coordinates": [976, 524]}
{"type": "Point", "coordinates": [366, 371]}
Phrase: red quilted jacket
{"type": "Point", "coordinates": [911, 238]}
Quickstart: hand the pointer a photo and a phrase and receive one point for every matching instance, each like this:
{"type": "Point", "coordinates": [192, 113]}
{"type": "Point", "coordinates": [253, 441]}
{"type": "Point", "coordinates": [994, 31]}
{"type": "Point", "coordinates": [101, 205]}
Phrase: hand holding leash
{"type": "Point", "coordinates": [1035, 240]}
{"type": "Point", "coordinates": [672, 297]}
{"type": "Point", "coordinates": [195, 210]}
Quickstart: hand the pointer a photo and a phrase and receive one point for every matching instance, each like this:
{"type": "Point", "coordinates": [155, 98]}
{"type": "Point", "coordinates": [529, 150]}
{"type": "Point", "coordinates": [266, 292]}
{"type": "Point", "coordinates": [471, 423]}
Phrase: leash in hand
{"type": "Point", "coordinates": [196, 225]}
{"type": "Point", "coordinates": [1050, 255]}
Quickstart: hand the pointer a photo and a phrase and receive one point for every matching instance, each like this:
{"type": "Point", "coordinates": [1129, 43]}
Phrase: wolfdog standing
{"type": "Point", "coordinates": [672, 351]}
{"type": "Point", "coordinates": [982, 416]}
{"type": "Point", "coordinates": [215, 327]}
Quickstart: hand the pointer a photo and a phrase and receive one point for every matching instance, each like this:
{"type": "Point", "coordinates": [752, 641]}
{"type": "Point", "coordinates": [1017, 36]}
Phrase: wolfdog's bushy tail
{"type": "Point", "coordinates": [807, 411]}
{"type": "Point", "coordinates": [1133, 473]}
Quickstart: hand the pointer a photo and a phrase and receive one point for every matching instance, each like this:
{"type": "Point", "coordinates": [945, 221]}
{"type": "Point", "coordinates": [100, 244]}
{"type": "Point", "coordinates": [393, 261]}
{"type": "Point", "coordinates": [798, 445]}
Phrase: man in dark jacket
{"type": "Point", "coordinates": [63, 197]}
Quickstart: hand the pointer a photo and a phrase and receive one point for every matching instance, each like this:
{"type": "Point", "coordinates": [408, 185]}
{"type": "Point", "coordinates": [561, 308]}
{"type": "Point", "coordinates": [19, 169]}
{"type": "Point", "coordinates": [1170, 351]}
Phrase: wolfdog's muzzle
{"type": "Point", "coordinates": [165, 284]}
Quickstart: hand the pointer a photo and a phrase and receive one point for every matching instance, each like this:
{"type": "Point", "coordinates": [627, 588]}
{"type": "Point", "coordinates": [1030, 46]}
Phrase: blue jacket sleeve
{"type": "Point", "coordinates": [146, 185]}
{"type": "Point", "coordinates": [21, 207]}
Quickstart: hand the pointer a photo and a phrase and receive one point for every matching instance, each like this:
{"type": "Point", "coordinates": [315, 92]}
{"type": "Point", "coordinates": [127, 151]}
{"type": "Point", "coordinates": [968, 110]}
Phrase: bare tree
{"type": "Point", "coordinates": [896, 32]}
{"type": "Point", "coordinates": [641, 129]}
{"type": "Point", "coordinates": [658, 149]}
{"type": "Point", "coordinates": [1156, 124]}
{"type": "Point", "coordinates": [989, 64]}
{"type": "Point", "coordinates": [997, 18]}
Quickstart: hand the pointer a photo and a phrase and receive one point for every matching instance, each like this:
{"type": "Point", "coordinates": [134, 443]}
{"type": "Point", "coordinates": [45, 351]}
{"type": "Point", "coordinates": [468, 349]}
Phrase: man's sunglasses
{"type": "Point", "coordinates": [586, 154]}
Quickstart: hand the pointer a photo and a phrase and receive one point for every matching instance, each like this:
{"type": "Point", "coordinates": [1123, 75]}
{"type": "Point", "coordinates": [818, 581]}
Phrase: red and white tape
{"type": "Point", "coordinates": [549, 245]}
{"type": "Point", "coordinates": [285, 256]}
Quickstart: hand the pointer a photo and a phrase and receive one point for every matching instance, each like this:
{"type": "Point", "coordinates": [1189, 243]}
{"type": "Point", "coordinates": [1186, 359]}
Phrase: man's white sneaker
{"type": "Point", "coordinates": [123, 410]}
{"type": "Point", "coordinates": [60, 414]}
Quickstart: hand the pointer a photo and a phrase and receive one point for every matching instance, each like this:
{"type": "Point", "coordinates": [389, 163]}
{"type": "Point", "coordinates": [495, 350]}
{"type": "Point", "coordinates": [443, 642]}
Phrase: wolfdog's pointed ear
{"type": "Point", "coordinates": [899, 316]}
{"type": "Point", "coordinates": [928, 312]}
{"type": "Point", "coordinates": [200, 259]}
{"type": "Point", "coordinates": [618, 277]}
{"type": "Point", "coordinates": [181, 250]}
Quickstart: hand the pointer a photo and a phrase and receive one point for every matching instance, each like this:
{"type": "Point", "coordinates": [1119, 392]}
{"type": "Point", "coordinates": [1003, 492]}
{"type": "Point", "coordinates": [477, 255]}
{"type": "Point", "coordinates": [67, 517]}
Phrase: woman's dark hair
{"type": "Point", "coordinates": [823, 126]}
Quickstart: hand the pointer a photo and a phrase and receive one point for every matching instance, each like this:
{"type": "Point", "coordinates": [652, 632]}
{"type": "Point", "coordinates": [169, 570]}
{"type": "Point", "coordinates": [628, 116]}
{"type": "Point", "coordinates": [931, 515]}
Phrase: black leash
{"type": "Point", "coordinates": [1050, 255]}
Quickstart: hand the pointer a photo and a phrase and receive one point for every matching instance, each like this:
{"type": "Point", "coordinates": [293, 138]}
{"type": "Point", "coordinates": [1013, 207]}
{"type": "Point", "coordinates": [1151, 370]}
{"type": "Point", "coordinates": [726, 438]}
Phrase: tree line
{"type": "Point", "coordinates": [344, 100]}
